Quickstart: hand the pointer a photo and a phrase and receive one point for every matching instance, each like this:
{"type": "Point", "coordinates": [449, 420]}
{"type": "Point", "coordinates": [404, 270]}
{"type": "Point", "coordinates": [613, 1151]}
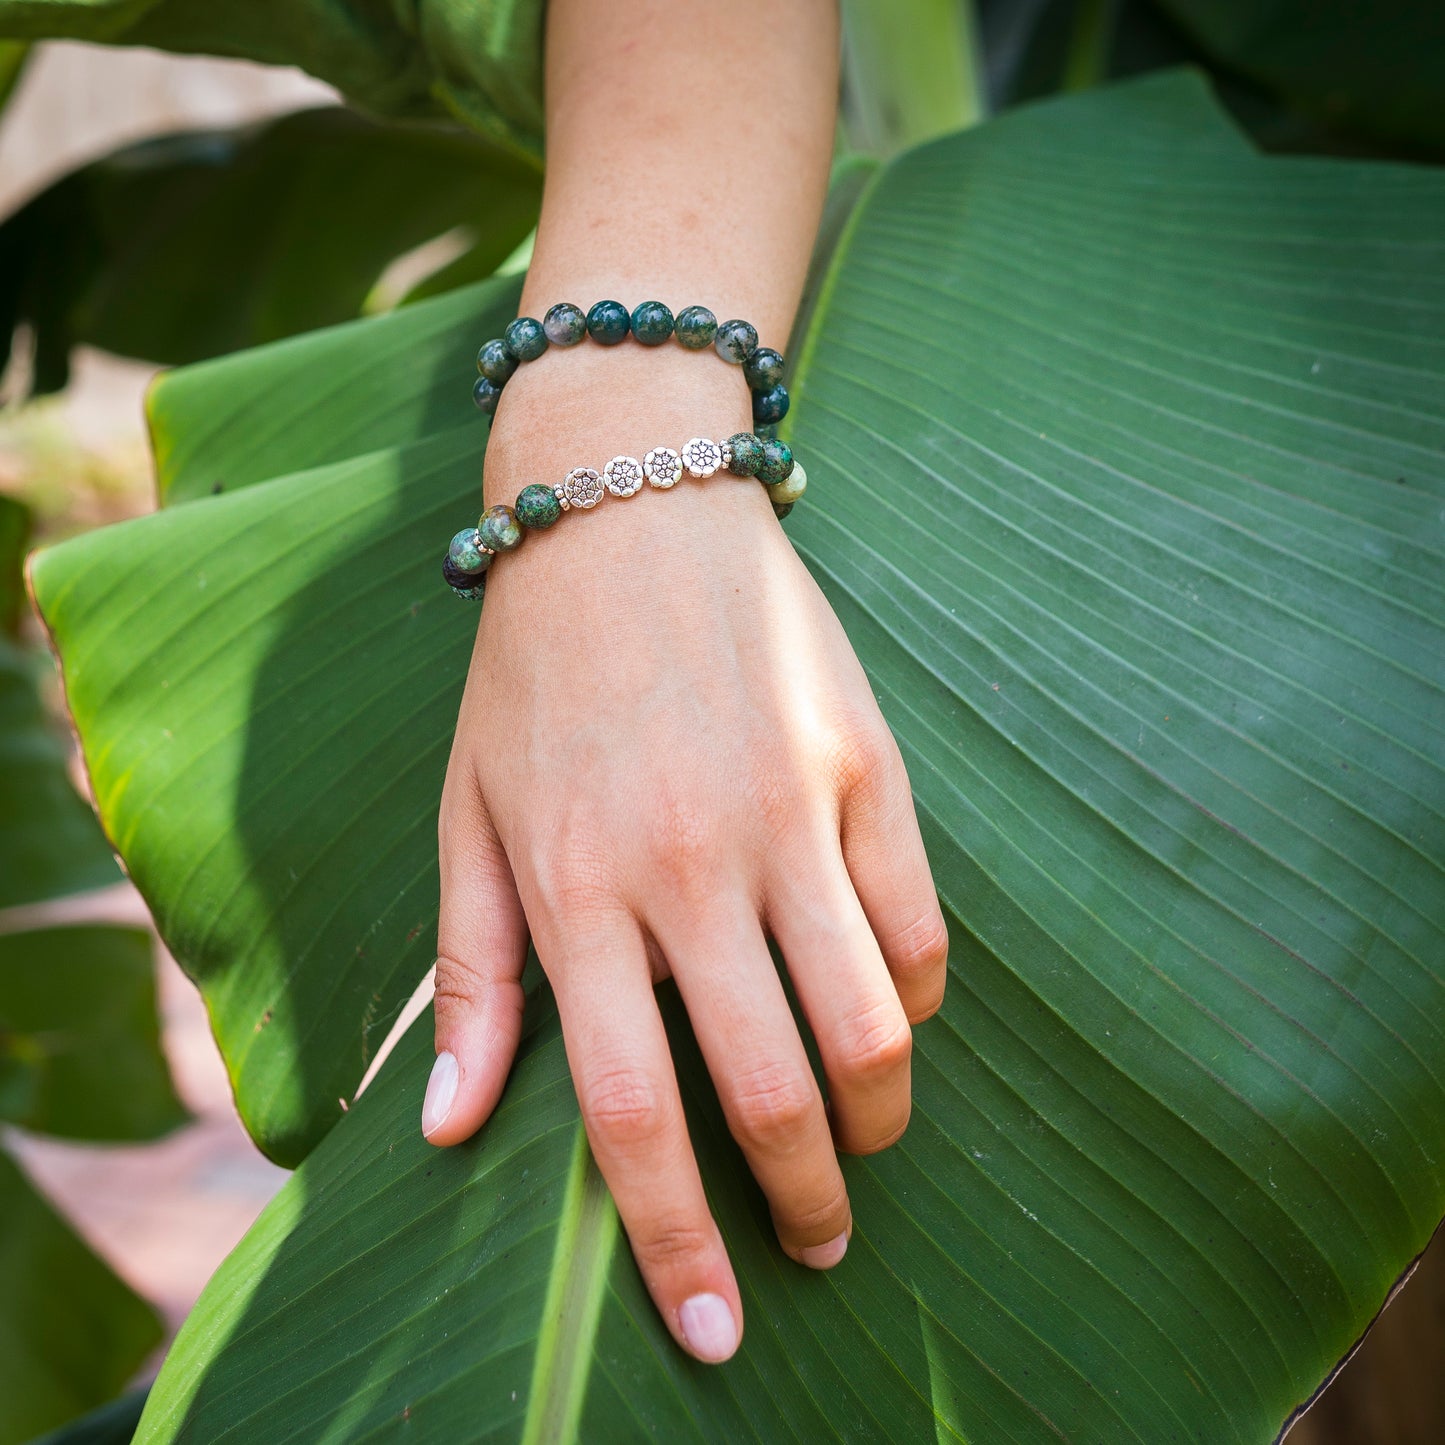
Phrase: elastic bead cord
{"type": "Point", "coordinates": [609, 323]}
{"type": "Point", "coordinates": [503, 529]}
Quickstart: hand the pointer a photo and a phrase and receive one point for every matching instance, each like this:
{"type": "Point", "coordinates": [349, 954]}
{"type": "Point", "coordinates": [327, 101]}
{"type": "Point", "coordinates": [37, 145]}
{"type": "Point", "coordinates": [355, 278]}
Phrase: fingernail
{"type": "Point", "coordinates": [708, 1327]}
{"type": "Point", "coordinates": [825, 1256]}
{"type": "Point", "coordinates": [441, 1091]}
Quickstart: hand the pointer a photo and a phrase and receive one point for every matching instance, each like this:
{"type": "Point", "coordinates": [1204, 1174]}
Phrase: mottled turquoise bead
{"type": "Point", "coordinates": [696, 327]}
{"type": "Point", "coordinates": [455, 577]}
{"type": "Point", "coordinates": [781, 509]}
{"type": "Point", "coordinates": [486, 394]}
{"type": "Point", "coordinates": [608, 323]}
{"type": "Point", "coordinates": [500, 530]}
{"type": "Point", "coordinates": [736, 341]}
{"type": "Point", "coordinates": [537, 507]}
{"type": "Point", "coordinates": [496, 362]}
{"type": "Point", "coordinates": [791, 488]}
{"type": "Point", "coordinates": [763, 369]}
{"type": "Point", "coordinates": [525, 338]}
{"type": "Point", "coordinates": [652, 323]}
{"type": "Point", "coordinates": [777, 463]}
{"type": "Point", "coordinates": [747, 454]}
{"type": "Point", "coordinates": [466, 553]}
{"type": "Point", "coordinates": [771, 406]}
{"type": "Point", "coordinates": [565, 324]}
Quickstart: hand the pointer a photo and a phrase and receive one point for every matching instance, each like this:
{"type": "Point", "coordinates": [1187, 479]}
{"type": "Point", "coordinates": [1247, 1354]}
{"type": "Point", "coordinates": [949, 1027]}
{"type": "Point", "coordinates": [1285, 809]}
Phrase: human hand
{"type": "Point", "coordinates": [667, 751]}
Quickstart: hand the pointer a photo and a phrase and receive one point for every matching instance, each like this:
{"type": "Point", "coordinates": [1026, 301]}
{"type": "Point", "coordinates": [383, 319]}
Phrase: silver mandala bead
{"type": "Point", "coordinates": [623, 476]}
{"type": "Point", "coordinates": [582, 487]}
{"type": "Point", "coordinates": [663, 467]}
{"type": "Point", "coordinates": [701, 457]}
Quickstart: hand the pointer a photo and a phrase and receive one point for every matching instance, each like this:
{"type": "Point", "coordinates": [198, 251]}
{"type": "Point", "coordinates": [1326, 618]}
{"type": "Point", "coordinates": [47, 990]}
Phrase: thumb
{"type": "Point", "coordinates": [481, 950]}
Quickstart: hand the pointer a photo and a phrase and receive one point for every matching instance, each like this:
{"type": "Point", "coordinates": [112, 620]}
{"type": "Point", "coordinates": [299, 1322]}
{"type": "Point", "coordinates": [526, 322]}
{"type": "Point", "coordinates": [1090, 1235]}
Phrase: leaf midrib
{"type": "Point", "coordinates": [577, 1281]}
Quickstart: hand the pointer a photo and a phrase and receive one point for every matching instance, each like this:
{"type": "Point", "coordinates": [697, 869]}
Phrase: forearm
{"type": "Point", "coordinates": [704, 187]}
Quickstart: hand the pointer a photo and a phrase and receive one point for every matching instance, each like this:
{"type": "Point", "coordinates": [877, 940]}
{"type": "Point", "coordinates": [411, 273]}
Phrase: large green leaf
{"type": "Point", "coordinates": [79, 1039]}
{"type": "Point", "coordinates": [204, 242]}
{"type": "Point", "coordinates": [1138, 534]}
{"type": "Point", "coordinates": [49, 844]}
{"type": "Point", "coordinates": [71, 1332]}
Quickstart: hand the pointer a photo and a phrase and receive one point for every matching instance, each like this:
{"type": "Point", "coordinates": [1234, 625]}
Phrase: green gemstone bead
{"type": "Point", "coordinates": [763, 369]}
{"type": "Point", "coordinates": [777, 463]}
{"type": "Point", "coordinates": [486, 394]}
{"type": "Point", "coordinates": [736, 341]}
{"type": "Point", "coordinates": [771, 406]}
{"type": "Point", "coordinates": [466, 551]}
{"type": "Point", "coordinates": [747, 453]}
{"type": "Point", "coordinates": [525, 338]}
{"type": "Point", "coordinates": [781, 509]}
{"type": "Point", "coordinates": [565, 324]}
{"type": "Point", "coordinates": [652, 323]}
{"type": "Point", "coordinates": [537, 507]}
{"type": "Point", "coordinates": [496, 362]}
{"type": "Point", "coordinates": [608, 323]}
{"type": "Point", "coordinates": [500, 529]}
{"type": "Point", "coordinates": [791, 488]}
{"type": "Point", "coordinates": [696, 327]}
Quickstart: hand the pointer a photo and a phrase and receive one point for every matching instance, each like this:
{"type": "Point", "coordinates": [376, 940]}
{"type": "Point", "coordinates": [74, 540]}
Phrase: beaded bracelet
{"type": "Point", "coordinates": [608, 323]}
{"type": "Point", "coordinates": [503, 528]}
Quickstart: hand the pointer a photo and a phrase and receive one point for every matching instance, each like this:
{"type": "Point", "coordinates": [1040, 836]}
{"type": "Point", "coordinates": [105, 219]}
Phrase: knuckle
{"type": "Point", "coordinates": [625, 1107]}
{"type": "Point", "coordinates": [878, 1142]}
{"type": "Point", "coordinates": [679, 839]}
{"type": "Point", "coordinates": [770, 1105]}
{"type": "Point", "coordinates": [918, 951]}
{"type": "Point", "coordinates": [862, 757]}
{"type": "Point", "coordinates": [874, 1043]}
{"type": "Point", "coordinates": [670, 1241]}
{"type": "Point", "coordinates": [458, 985]}
{"type": "Point", "coordinates": [820, 1219]}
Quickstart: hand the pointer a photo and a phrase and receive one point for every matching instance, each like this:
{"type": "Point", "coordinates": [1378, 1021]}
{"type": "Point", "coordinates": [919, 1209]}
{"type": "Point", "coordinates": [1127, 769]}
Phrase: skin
{"type": "Point", "coordinates": [667, 751]}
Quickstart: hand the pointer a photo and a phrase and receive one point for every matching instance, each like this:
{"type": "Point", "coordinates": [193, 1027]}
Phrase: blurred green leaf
{"type": "Point", "coordinates": [480, 61]}
{"type": "Point", "coordinates": [1375, 67]}
{"type": "Point", "coordinates": [71, 1332]}
{"type": "Point", "coordinates": [112, 1424]}
{"type": "Point", "coordinates": [49, 842]}
{"type": "Point", "coordinates": [80, 1052]}
{"type": "Point", "coordinates": [204, 242]}
{"type": "Point", "coordinates": [1138, 535]}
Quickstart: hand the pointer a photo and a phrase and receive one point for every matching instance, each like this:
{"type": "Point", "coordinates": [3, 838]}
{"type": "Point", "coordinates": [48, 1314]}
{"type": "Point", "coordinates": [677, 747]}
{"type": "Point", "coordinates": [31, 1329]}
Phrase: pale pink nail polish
{"type": "Point", "coordinates": [708, 1327]}
{"type": "Point", "coordinates": [825, 1256]}
{"type": "Point", "coordinates": [441, 1093]}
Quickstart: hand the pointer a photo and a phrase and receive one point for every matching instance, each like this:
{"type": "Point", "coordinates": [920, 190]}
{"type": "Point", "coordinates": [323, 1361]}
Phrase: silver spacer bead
{"type": "Point", "coordinates": [725, 450]}
{"type": "Point", "coordinates": [560, 492]}
{"type": "Point", "coordinates": [663, 467]}
{"type": "Point", "coordinates": [623, 476]}
{"type": "Point", "coordinates": [582, 487]}
{"type": "Point", "coordinates": [701, 457]}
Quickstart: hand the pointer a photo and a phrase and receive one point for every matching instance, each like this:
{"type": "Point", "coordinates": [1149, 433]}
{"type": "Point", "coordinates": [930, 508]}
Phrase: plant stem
{"type": "Point", "coordinates": [1087, 61]}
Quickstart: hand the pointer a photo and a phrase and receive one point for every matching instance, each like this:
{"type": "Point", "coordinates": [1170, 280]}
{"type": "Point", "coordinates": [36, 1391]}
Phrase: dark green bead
{"type": "Point", "coordinates": [770, 406]}
{"type": "Point", "coordinates": [763, 369]}
{"type": "Point", "coordinates": [500, 530]}
{"type": "Point", "coordinates": [486, 394]}
{"type": "Point", "coordinates": [525, 338]}
{"type": "Point", "coordinates": [652, 323]}
{"type": "Point", "coordinates": [781, 509]}
{"type": "Point", "coordinates": [465, 552]}
{"type": "Point", "coordinates": [696, 327]}
{"type": "Point", "coordinates": [565, 324]}
{"type": "Point", "coordinates": [496, 362]}
{"type": "Point", "coordinates": [736, 341]}
{"type": "Point", "coordinates": [747, 454]}
{"type": "Point", "coordinates": [608, 323]}
{"type": "Point", "coordinates": [777, 463]}
{"type": "Point", "coordinates": [537, 507]}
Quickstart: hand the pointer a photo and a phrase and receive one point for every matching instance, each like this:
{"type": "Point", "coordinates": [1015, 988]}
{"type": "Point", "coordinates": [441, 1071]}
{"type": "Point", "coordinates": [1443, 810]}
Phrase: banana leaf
{"type": "Point", "coordinates": [1126, 455]}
